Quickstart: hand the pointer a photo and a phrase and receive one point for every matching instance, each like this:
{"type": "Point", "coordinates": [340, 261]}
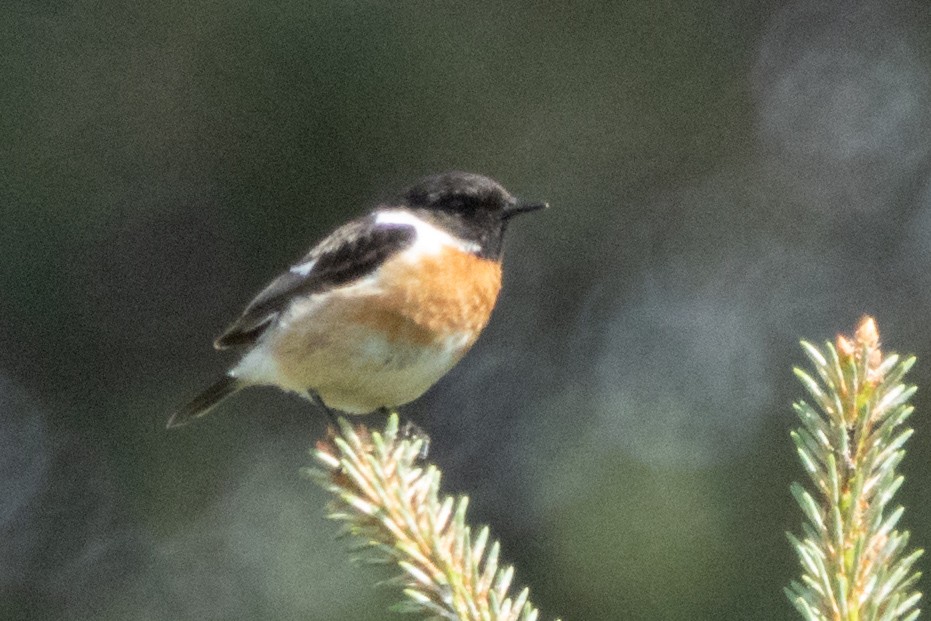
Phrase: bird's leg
{"type": "Point", "coordinates": [331, 413]}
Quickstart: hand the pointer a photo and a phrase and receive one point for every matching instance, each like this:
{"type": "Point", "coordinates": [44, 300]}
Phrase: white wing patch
{"type": "Point", "coordinates": [430, 239]}
{"type": "Point", "coordinates": [303, 269]}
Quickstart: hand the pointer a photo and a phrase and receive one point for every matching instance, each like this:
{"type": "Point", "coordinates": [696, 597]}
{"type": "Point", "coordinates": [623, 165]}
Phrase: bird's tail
{"type": "Point", "coordinates": [200, 405]}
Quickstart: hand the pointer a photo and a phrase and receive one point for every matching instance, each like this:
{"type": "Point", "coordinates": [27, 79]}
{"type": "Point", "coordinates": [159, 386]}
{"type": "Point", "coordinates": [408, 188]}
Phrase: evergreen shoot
{"type": "Point", "coordinates": [856, 564]}
{"type": "Point", "coordinates": [389, 500]}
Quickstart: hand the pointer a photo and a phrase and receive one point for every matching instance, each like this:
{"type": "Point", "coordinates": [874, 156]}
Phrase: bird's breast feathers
{"type": "Point", "coordinates": [414, 298]}
{"type": "Point", "coordinates": [433, 290]}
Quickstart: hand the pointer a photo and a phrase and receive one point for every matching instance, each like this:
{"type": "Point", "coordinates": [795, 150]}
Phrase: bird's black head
{"type": "Point", "coordinates": [468, 205]}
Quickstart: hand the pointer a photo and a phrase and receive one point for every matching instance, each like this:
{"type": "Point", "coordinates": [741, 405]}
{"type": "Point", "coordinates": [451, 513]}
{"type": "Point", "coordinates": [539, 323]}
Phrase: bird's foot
{"type": "Point", "coordinates": [412, 431]}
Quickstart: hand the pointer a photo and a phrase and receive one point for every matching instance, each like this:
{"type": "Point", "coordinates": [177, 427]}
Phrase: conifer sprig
{"type": "Point", "coordinates": [390, 501]}
{"type": "Point", "coordinates": [855, 563]}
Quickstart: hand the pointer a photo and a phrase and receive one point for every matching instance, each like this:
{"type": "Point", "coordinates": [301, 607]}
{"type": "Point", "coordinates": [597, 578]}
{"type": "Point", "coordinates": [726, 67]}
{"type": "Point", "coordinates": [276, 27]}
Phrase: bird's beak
{"type": "Point", "coordinates": [522, 207]}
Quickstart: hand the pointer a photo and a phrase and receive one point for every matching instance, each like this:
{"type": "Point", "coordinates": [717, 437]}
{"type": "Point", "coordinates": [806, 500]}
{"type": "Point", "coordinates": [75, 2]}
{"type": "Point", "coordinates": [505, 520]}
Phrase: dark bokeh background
{"type": "Point", "coordinates": [725, 178]}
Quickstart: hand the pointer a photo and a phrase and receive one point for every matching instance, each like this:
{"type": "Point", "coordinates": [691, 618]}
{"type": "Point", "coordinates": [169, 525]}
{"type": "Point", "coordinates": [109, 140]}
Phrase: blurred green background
{"type": "Point", "coordinates": [726, 179]}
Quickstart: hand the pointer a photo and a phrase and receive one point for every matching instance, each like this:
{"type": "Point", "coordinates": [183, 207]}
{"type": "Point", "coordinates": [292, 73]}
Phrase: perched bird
{"type": "Point", "coordinates": [382, 308]}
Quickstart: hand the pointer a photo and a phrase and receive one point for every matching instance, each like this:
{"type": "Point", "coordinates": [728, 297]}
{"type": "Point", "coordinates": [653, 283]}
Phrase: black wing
{"type": "Point", "coordinates": [353, 250]}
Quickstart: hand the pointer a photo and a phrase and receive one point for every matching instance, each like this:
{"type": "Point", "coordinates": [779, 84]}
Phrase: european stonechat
{"type": "Point", "coordinates": [382, 308]}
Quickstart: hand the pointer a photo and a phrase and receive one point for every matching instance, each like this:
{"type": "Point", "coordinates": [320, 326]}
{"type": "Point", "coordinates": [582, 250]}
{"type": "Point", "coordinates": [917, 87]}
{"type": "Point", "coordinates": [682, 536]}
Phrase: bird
{"type": "Point", "coordinates": [380, 309]}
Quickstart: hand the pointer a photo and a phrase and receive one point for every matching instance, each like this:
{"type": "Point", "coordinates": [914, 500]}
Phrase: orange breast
{"type": "Point", "coordinates": [450, 294]}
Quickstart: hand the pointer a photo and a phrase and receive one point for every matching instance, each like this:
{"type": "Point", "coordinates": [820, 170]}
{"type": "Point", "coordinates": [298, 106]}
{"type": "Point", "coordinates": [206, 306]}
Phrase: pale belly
{"type": "Point", "coordinates": [379, 373]}
{"type": "Point", "coordinates": [352, 367]}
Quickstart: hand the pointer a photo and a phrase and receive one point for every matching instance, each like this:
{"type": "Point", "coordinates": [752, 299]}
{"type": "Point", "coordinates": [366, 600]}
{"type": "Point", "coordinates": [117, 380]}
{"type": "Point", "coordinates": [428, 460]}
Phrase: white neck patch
{"type": "Point", "coordinates": [430, 239]}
